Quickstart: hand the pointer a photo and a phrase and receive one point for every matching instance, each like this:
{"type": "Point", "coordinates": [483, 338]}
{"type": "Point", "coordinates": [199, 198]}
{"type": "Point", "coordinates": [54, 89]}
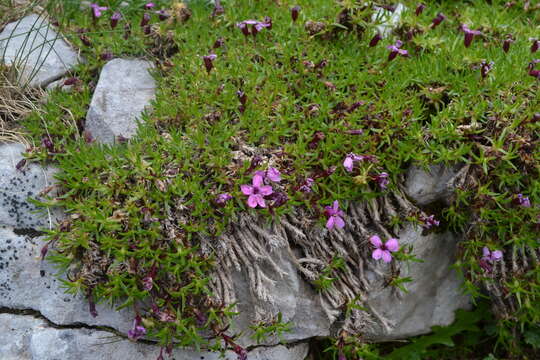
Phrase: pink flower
{"type": "Point", "coordinates": [209, 62]}
{"type": "Point", "coordinates": [273, 174]}
{"type": "Point", "coordinates": [149, 5]}
{"type": "Point", "coordinates": [115, 18]}
{"type": "Point", "coordinates": [334, 216]}
{"type": "Point", "coordinates": [223, 198]}
{"type": "Point", "coordinates": [491, 255]}
{"type": "Point", "coordinates": [469, 34]}
{"type": "Point", "coordinates": [382, 180]}
{"type": "Point", "coordinates": [523, 200]}
{"type": "Point", "coordinates": [96, 10]}
{"type": "Point", "coordinates": [350, 159]}
{"type": "Point", "coordinates": [148, 283]}
{"type": "Point", "coordinates": [256, 192]}
{"type": "Point", "coordinates": [385, 250]}
{"type": "Point", "coordinates": [138, 331]}
{"type": "Point", "coordinates": [395, 50]}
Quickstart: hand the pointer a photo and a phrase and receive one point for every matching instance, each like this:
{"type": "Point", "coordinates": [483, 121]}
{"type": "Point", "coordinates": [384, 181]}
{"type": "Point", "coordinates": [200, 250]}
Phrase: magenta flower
{"type": "Point", "coordinates": [437, 20]}
{"type": "Point", "coordinates": [469, 34]}
{"type": "Point", "coordinates": [485, 68]}
{"type": "Point", "coordinates": [223, 198]}
{"type": "Point", "coordinates": [306, 186]}
{"type": "Point", "coordinates": [295, 11]}
{"type": "Point", "coordinates": [256, 192]}
{"type": "Point", "coordinates": [273, 174]}
{"type": "Point", "coordinates": [383, 251]}
{"type": "Point", "coordinates": [429, 221]}
{"type": "Point", "coordinates": [420, 8]}
{"type": "Point", "coordinates": [382, 180]}
{"type": "Point", "coordinates": [395, 50]}
{"type": "Point", "coordinates": [349, 161]}
{"type": "Point", "coordinates": [149, 5]}
{"type": "Point", "coordinates": [523, 200]}
{"type": "Point", "coordinates": [375, 40]}
{"type": "Point", "coordinates": [163, 15]}
{"type": "Point", "coordinates": [145, 19]}
{"type": "Point", "coordinates": [506, 44]}
{"type": "Point", "coordinates": [488, 255]}
{"type": "Point", "coordinates": [335, 216]}
{"type": "Point", "coordinates": [138, 331]}
{"type": "Point", "coordinates": [148, 283]}
{"type": "Point", "coordinates": [256, 26]}
{"type": "Point", "coordinates": [209, 62]}
{"type": "Point", "coordinates": [96, 10]}
{"type": "Point", "coordinates": [115, 18]}
{"type": "Point", "coordinates": [535, 45]}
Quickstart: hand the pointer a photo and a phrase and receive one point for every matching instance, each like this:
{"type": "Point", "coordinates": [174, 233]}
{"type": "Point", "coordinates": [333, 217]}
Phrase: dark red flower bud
{"type": "Point", "coordinates": [317, 137]}
{"type": "Point", "coordinates": [209, 62]}
{"type": "Point", "coordinates": [219, 43]}
{"type": "Point", "coordinates": [242, 97]}
{"type": "Point", "coordinates": [47, 144]}
{"type": "Point", "coordinates": [20, 164]}
{"type": "Point", "coordinates": [71, 81]}
{"type": "Point", "coordinates": [419, 9]}
{"type": "Point", "coordinates": [437, 20]}
{"type": "Point", "coordinates": [85, 40]}
{"type": "Point", "coordinates": [114, 19]}
{"type": "Point", "coordinates": [485, 68]}
{"type": "Point", "coordinates": [375, 40]}
{"type": "Point", "coordinates": [535, 45]}
{"type": "Point", "coordinates": [244, 29]}
{"type": "Point", "coordinates": [536, 118]}
{"type": "Point", "coordinates": [295, 11]}
{"type": "Point", "coordinates": [506, 44]}
{"type": "Point", "coordinates": [145, 19]}
{"type": "Point", "coordinates": [106, 56]}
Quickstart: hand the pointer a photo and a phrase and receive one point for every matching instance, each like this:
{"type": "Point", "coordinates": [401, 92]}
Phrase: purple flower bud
{"type": "Point", "coordinates": [85, 40]}
{"type": "Point", "coordinates": [420, 8]}
{"type": "Point", "coordinates": [295, 11]}
{"type": "Point", "coordinates": [375, 40]}
{"type": "Point", "coordinates": [163, 15]}
{"type": "Point", "coordinates": [145, 19]}
{"type": "Point", "coordinates": [219, 43]}
{"type": "Point", "coordinates": [506, 44]}
{"type": "Point", "coordinates": [106, 56]}
{"type": "Point", "coordinates": [355, 132]}
{"type": "Point", "coordinates": [114, 19]}
{"type": "Point", "coordinates": [437, 20]}
{"type": "Point", "coordinates": [536, 118]}
{"type": "Point", "coordinates": [469, 34]}
{"type": "Point", "coordinates": [223, 198]}
{"type": "Point", "coordinates": [523, 201]}
{"type": "Point", "coordinates": [47, 144]}
{"type": "Point", "coordinates": [306, 186]}
{"type": "Point", "coordinates": [355, 106]}
{"type": "Point", "coordinates": [242, 97]}
{"type": "Point", "coordinates": [535, 45]}
{"type": "Point", "coordinates": [382, 180]}
{"type": "Point", "coordinates": [209, 62]}
{"type": "Point", "coordinates": [279, 199]}
{"type": "Point", "coordinates": [244, 29]}
{"type": "Point", "coordinates": [485, 68]}
{"type": "Point", "coordinates": [395, 50]}
{"type": "Point", "coordinates": [148, 283]}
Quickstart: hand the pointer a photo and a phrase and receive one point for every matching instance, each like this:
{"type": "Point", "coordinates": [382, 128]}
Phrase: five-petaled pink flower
{"type": "Point", "coordinates": [96, 9]}
{"type": "Point", "coordinates": [489, 255]}
{"type": "Point", "coordinates": [335, 216]}
{"type": "Point", "coordinates": [256, 192]}
{"type": "Point", "coordinates": [383, 251]}
{"type": "Point", "coordinates": [350, 159]}
{"type": "Point", "coordinates": [395, 50]}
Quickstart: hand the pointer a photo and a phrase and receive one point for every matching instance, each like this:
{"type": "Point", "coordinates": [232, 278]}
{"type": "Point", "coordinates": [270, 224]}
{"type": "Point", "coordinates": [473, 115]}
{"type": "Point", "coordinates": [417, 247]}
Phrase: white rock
{"type": "Point", "coordinates": [28, 283]}
{"type": "Point", "coordinates": [18, 186]}
{"type": "Point", "coordinates": [25, 337]}
{"type": "Point", "coordinates": [125, 89]}
{"type": "Point", "coordinates": [428, 186]}
{"type": "Point", "coordinates": [36, 50]}
{"type": "Point", "coordinates": [390, 20]}
{"type": "Point", "coordinates": [433, 295]}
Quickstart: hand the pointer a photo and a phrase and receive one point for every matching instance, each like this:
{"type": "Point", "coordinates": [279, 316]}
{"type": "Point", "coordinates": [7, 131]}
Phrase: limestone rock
{"type": "Point", "coordinates": [25, 337]}
{"type": "Point", "coordinates": [18, 186]}
{"type": "Point", "coordinates": [36, 50]}
{"type": "Point", "coordinates": [124, 90]}
{"type": "Point", "coordinates": [390, 20]}
{"type": "Point", "coordinates": [435, 184]}
{"type": "Point", "coordinates": [434, 294]}
{"type": "Point", "coordinates": [28, 283]}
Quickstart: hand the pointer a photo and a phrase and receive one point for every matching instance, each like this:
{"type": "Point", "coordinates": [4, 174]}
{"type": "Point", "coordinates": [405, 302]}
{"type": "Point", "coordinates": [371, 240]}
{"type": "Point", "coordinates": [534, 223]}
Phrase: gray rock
{"type": "Point", "coordinates": [26, 337]}
{"type": "Point", "coordinates": [435, 184]}
{"type": "Point", "coordinates": [59, 84]}
{"type": "Point", "coordinates": [28, 283]}
{"type": "Point", "coordinates": [297, 301]}
{"type": "Point", "coordinates": [433, 295]}
{"type": "Point", "coordinates": [125, 89]}
{"type": "Point", "coordinates": [18, 186]}
{"type": "Point", "coordinates": [36, 50]}
{"type": "Point", "coordinates": [389, 19]}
